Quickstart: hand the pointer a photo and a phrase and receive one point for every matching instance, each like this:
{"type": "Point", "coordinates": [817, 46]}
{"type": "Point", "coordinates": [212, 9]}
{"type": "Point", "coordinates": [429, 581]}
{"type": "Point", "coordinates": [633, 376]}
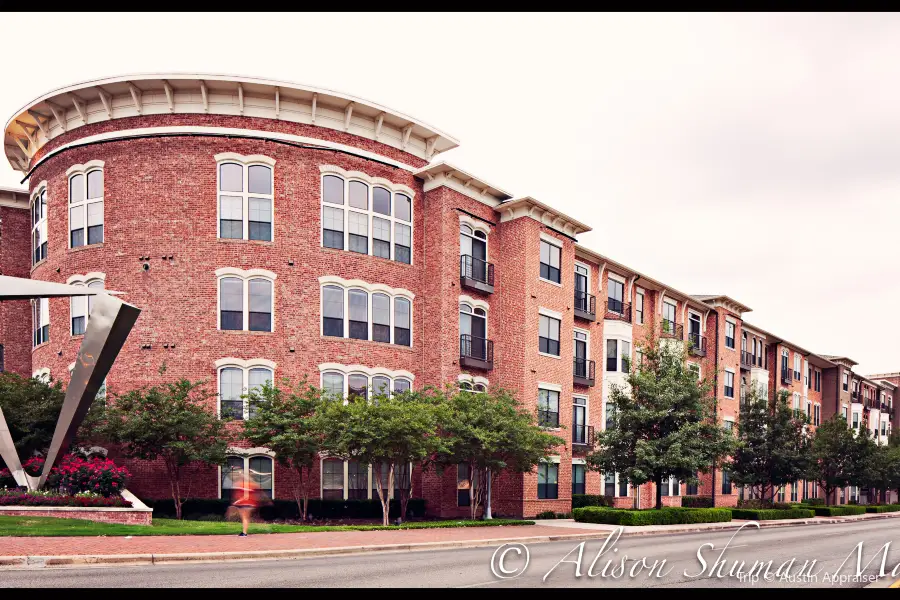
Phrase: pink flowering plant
{"type": "Point", "coordinates": [76, 475]}
{"type": "Point", "coordinates": [20, 497]}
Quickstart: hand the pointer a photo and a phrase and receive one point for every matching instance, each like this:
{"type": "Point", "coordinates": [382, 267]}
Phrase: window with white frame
{"type": "Point", "coordinates": [366, 312]}
{"type": "Point", "coordinates": [468, 383]}
{"type": "Point", "coordinates": [548, 480]}
{"type": "Point", "coordinates": [39, 225]}
{"type": "Point", "coordinates": [615, 486]}
{"type": "Point", "coordinates": [42, 374]}
{"type": "Point", "coordinates": [548, 335]}
{"type": "Point", "coordinates": [237, 382]}
{"type": "Point", "coordinates": [729, 384]}
{"type": "Point", "coordinates": [81, 306]}
{"type": "Point", "coordinates": [668, 314]}
{"type": "Point", "coordinates": [855, 420]}
{"type": "Point", "coordinates": [548, 407]}
{"type": "Point", "coordinates": [728, 425]}
{"type": "Point", "coordinates": [367, 216]}
{"type": "Point", "coordinates": [609, 413]}
{"type": "Point", "coordinates": [40, 317]}
{"type": "Point", "coordinates": [639, 307]}
{"type": "Point", "coordinates": [342, 382]}
{"type": "Point", "coordinates": [86, 204]}
{"type": "Point", "coordinates": [844, 412]}
{"type": "Point", "coordinates": [615, 291]}
{"type": "Point", "coordinates": [247, 472]}
{"type": "Point", "coordinates": [729, 334]}
{"type": "Point", "coordinates": [354, 480]}
{"type": "Point", "coordinates": [246, 197]}
{"type": "Point", "coordinates": [846, 382]}
{"type": "Point", "coordinates": [695, 368]}
{"type": "Point", "coordinates": [618, 355]}
{"type": "Point", "coordinates": [797, 361]}
{"type": "Point", "coordinates": [473, 331]}
{"type": "Point", "coordinates": [246, 300]}
{"type": "Point", "coordinates": [473, 249]}
{"type": "Point", "coordinates": [550, 262]}
{"type": "Point", "coordinates": [671, 487]}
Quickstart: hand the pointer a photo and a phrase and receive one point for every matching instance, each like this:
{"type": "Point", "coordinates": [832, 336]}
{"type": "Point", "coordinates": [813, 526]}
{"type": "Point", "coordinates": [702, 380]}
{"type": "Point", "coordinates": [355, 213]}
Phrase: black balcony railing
{"type": "Point", "coordinates": [671, 329]}
{"type": "Point", "coordinates": [583, 435]}
{"type": "Point", "coordinates": [746, 360]}
{"type": "Point", "coordinates": [585, 306]}
{"type": "Point", "coordinates": [476, 352]}
{"type": "Point", "coordinates": [583, 371]}
{"type": "Point", "coordinates": [787, 376]}
{"type": "Point", "coordinates": [616, 310]}
{"type": "Point", "coordinates": [476, 274]}
{"type": "Point", "coordinates": [698, 344]}
{"type": "Point", "coordinates": [233, 409]}
{"type": "Point", "coordinates": [854, 396]}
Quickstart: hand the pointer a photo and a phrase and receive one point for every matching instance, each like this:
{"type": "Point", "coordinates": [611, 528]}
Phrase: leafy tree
{"type": "Point", "coordinates": [773, 445]}
{"type": "Point", "coordinates": [490, 432]}
{"type": "Point", "coordinates": [285, 423]}
{"type": "Point", "coordinates": [831, 455]}
{"type": "Point", "coordinates": [31, 407]}
{"type": "Point", "coordinates": [868, 462]}
{"type": "Point", "coordinates": [172, 422]}
{"type": "Point", "coordinates": [391, 430]}
{"type": "Point", "coordinates": [664, 424]}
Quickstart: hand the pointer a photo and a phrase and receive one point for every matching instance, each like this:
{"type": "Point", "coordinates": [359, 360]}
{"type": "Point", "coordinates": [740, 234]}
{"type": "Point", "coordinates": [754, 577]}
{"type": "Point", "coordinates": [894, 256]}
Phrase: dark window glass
{"type": "Point", "coordinates": [231, 300]}
{"type": "Point", "coordinates": [548, 408]}
{"type": "Point", "coordinates": [232, 476]}
{"type": "Point", "coordinates": [332, 227]}
{"type": "Point", "coordinates": [260, 305]}
{"type": "Point", "coordinates": [260, 219]}
{"type": "Point", "coordinates": [463, 482]}
{"type": "Point", "coordinates": [358, 228]}
{"type": "Point", "coordinates": [357, 481]}
{"type": "Point", "coordinates": [358, 301]}
{"type": "Point", "coordinates": [548, 475]}
{"type": "Point", "coordinates": [609, 485]}
{"type": "Point", "coordinates": [332, 479]}
{"type": "Point", "coordinates": [402, 243]}
{"type": "Point", "coordinates": [231, 217]}
{"type": "Point", "coordinates": [381, 237]}
{"type": "Point", "coordinates": [577, 479]}
{"type": "Point", "coordinates": [77, 236]}
{"type": "Point", "coordinates": [358, 385]}
{"type": "Point", "coordinates": [95, 234]}
{"type": "Point", "coordinates": [78, 324]}
{"type": "Point", "coordinates": [612, 358]}
{"type": "Point", "coordinates": [401, 322]}
{"type": "Point", "coordinates": [381, 318]}
{"type": "Point", "coordinates": [726, 482]}
{"type": "Point", "coordinates": [550, 257]}
{"type": "Point", "coordinates": [333, 311]}
{"type": "Point", "coordinates": [548, 335]}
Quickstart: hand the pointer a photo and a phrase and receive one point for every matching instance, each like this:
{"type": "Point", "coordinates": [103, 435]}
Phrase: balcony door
{"type": "Point", "coordinates": [579, 421]}
{"type": "Point", "coordinates": [473, 331]}
{"type": "Point", "coordinates": [694, 329]}
{"type": "Point", "coordinates": [474, 244]}
{"type": "Point", "coordinates": [581, 348]}
{"type": "Point", "coordinates": [581, 288]}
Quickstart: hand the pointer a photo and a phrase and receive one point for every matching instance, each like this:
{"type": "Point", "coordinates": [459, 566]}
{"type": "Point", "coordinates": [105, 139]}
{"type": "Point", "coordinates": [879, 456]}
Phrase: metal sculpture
{"type": "Point", "coordinates": [110, 322]}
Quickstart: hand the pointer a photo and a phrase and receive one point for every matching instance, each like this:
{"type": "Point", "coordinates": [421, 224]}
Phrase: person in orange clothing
{"type": "Point", "coordinates": [246, 501]}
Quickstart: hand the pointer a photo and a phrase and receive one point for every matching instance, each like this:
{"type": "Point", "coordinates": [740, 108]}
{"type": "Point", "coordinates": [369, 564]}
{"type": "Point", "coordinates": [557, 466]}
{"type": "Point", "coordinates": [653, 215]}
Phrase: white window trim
{"type": "Point", "coordinates": [579, 461]}
{"type": "Point", "coordinates": [691, 312]}
{"type": "Point", "coordinates": [42, 373]}
{"type": "Point", "coordinates": [371, 182]}
{"type": "Point", "coordinates": [553, 387]}
{"type": "Point", "coordinates": [370, 288]}
{"type": "Point", "coordinates": [37, 318]}
{"type": "Point", "coordinates": [247, 454]}
{"type": "Point", "coordinates": [553, 241]}
{"type": "Point", "coordinates": [616, 495]}
{"type": "Point", "coordinates": [41, 225]}
{"type": "Point", "coordinates": [640, 292]}
{"type": "Point", "coordinates": [474, 224]}
{"type": "Point", "coordinates": [246, 276]}
{"type": "Point", "coordinates": [246, 162]}
{"type": "Point", "coordinates": [587, 267]}
{"type": "Point", "coordinates": [546, 312]}
{"type": "Point", "coordinates": [85, 280]}
{"type": "Point", "coordinates": [369, 372]}
{"type": "Point", "coordinates": [617, 277]}
{"type": "Point", "coordinates": [618, 340]}
{"type": "Point", "coordinates": [472, 380]}
{"type": "Point", "coordinates": [734, 384]}
{"type": "Point", "coordinates": [587, 407]}
{"type": "Point", "coordinates": [372, 492]}
{"type": "Point", "coordinates": [699, 369]}
{"type": "Point", "coordinates": [84, 170]}
{"type": "Point", "coordinates": [474, 303]}
{"type": "Point", "coordinates": [587, 341]}
{"type": "Point", "coordinates": [244, 366]}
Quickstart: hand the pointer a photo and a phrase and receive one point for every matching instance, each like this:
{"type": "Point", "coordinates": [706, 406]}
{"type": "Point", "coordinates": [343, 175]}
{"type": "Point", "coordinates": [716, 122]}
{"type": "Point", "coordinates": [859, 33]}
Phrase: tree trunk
{"type": "Point", "coordinates": [174, 486]}
{"type": "Point", "coordinates": [658, 493]}
{"type": "Point", "coordinates": [404, 475]}
{"type": "Point", "coordinates": [487, 502]}
{"type": "Point", "coordinates": [301, 493]}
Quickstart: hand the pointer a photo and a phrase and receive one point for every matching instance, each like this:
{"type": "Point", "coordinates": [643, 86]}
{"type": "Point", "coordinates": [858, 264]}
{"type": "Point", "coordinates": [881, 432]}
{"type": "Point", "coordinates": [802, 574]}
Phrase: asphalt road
{"type": "Point", "coordinates": [828, 545]}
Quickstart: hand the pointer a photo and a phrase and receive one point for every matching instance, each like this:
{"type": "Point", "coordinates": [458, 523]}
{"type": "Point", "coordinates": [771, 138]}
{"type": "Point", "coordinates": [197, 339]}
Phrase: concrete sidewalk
{"type": "Point", "coordinates": [19, 552]}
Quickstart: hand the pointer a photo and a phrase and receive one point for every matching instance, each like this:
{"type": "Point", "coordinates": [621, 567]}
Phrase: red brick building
{"type": "Point", "coordinates": [270, 230]}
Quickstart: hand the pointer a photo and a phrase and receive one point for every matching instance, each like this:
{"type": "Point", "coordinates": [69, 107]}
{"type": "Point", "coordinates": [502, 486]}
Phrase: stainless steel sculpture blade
{"type": "Point", "coordinates": [108, 327]}
{"type": "Point", "coordinates": [110, 322]}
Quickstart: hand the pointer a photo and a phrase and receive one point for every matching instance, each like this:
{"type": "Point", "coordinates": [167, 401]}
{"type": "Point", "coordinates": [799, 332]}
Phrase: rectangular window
{"type": "Point", "coordinates": [39, 227]}
{"type": "Point", "coordinates": [358, 229]}
{"type": "Point", "coordinates": [855, 420]}
{"type": "Point", "coordinates": [610, 412]}
{"type": "Point", "coordinates": [609, 485]}
{"type": "Point", "coordinates": [729, 334]}
{"type": "Point", "coordinates": [260, 219]}
{"type": "Point", "coordinates": [245, 202]}
{"type": "Point", "coordinates": [41, 320]}
{"type": "Point", "coordinates": [548, 408]}
{"type": "Point", "coordinates": [612, 356]}
{"type": "Point", "coordinates": [402, 243]}
{"type": "Point", "coordinates": [260, 305]}
{"type": "Point", "coordinates": [796, 366]}
{"type": "Point", "coordinates": [332, 479]}
{"type": "Point", "coordinates": [381, 237]}
{"type": "Point", "coordinates": [358, 314]}
{"type": "Point", "coordinates": [726, 482]}
{"type": "Point", "coordinates": [639, 308]}
{"type": "Point", "coordinates": [463, 483]}
{"type": "Point", "coordinates": [548, 476]}
{"type": "Point", "coordinates": [623, 486]}
{"type": "Point", "coordinates": [578, 479]}
{"type": "Point", "coordinates": [381, 318]}
{"type": "Point", "coordinates": [86, 208]}
{"type": "Point", "coordinates": [550, 260]}
{"type": "Point", "coordinates": [332, 227]}
{"type": "Point", "coordinates": [616, 295]}
{"type": "Point", "coordinates": [626, 356]}
{"type": "Point", "coordinates": [668, 322]}
{"type": "Point", "coordinates": [844, 412]}
{"type": "Point", "coordinates": [846, 382]}
{"type": "Point", "coordinates": [729, 384]}
{"type": "Point", "coordinates": [548, 335]}
{"type": "Point", "coordinates": [402, 308]}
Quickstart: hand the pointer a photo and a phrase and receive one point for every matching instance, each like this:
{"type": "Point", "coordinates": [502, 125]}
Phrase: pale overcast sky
{"type": "Point", "coordinates": [751, 155]}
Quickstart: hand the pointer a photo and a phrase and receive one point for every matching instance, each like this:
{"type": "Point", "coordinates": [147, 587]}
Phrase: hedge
{"type": "Point", "coordinates": [838, 511]}
{"type": "Point", "coordinates": [582, 500]}
{"type": "Point", "coordinates": [771, 514]}
{"type": "Point", "coordinates": [194, 508]}
{"type": "Point", "coordinates": [697, 501]}
{"type": "Point", "coordinates": [814, 501]}
{"type": "Point", "coordinates": [663, 516]}
{"type": "Point", "coordinates": [883, 508]}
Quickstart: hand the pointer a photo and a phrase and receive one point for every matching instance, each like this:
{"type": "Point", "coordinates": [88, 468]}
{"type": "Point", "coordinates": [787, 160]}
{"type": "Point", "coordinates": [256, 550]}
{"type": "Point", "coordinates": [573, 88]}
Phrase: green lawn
{"type": "Point", "coordinates": [49, 526]}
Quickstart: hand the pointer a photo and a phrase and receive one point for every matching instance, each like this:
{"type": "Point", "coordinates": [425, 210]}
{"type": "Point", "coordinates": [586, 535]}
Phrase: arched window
{"type": "Point", "coordinates": [358, 317]}
{"type": "Point", "coordinates": [242, 472]}
{"type": "Point", "coordinates": [402, 385]}
{"type": "Point", "coordinates": [388, 321]}
{"type": "Point", "coordinates": [473, 330]}
{"type": "Point", "coordinates": [473, 247]}
{"type": "Point", "coordinates": [245, 200]}
{"type": "Point", "coordinates": [237, 381]}
{"type": "Point", "coordinates": [365, 217]}
{"type": "Point", "coordinates": [85, 205]}
{"type": "Point", "coordinates": [401, 322]}
{"type": "Point", "coordinates": [360, 380]}
{"type": "Point", "coordinates": [333, 384]}
{"type": "Point", "coordinates": [39, 226]}
{"type": "Point", "coordinates": [381, 385]}
{"type": "Point", "coordinates": [245, 303]}
{"type": "Point", "coordinates": [358, 386]}
{"type": "Point", "coordinates": [81, 307]}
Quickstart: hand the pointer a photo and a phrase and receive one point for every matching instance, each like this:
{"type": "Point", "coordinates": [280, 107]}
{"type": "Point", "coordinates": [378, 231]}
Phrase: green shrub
{"type": "Point", "coordinates": [582, 500]}
{"type": "Point", "coordinates": [814, 501]}
{"type": "Point", "coordinates": [663, 516]}
{"type": "Point", "coordinates": [771, 514]}
{"type": "Point", "coordinates": [883, 508]}
{"type": "Point", "coordinates": [697, 501]}
{"type": "Point", "coordinates": [782, 506]}
{"type": "Point", "coordinates": [197, 508]}
{"type": "Point", "coordinates": [754, 504]}
{"type": "Point", "coordinates": [547, 514]}
{"type": "Point", "coordinates": [839, 511]}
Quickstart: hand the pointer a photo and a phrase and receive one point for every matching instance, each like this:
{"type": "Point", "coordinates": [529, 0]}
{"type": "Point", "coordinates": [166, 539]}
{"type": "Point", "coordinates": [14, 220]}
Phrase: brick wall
{"type": "Point", "coordinates": [15, 315]}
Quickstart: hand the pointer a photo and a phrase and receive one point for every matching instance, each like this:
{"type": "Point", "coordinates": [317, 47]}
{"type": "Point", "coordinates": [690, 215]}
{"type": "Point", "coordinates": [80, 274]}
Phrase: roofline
{"type": "Point", "coordinates": [506, 210]}
{"type": "Point", "coordinates": [472, 183]}
{"type": "Point", "coordinates": [705, 298]}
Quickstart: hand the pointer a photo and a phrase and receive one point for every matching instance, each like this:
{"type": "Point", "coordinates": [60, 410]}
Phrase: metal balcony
{"type": "Point", "coordinates": [854, 397]}
{"type": "Point", "coordinates": [583, 372]}
{"type": "Point", "coordinates": [476, 274]}
{"type": "Point", "coordinates": [616, 310]}
{"type": "Point", "coordinates": [746, 360]}
{"type": "Point", "coordinates": [582, 437]}
{"type": "Point", "coordinates": [787, 377]}
{"type": "Point", "coordinates": [698, 344]}
{"type": "Point", "coordinates": [585, 306]}
{"type": "Point", "coordinates": [671, 329]}
{"type": "Point", "coordinates": [476, 353]}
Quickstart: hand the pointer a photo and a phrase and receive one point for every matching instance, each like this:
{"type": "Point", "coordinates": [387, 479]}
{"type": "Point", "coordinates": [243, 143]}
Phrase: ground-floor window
{"type": "Point", "coordinates": [247, 471]}
{"type": "Point", "coordinates": [615, 486]}
{"type": "Point", "coordinates": [726, 483]}
{"type": "Point", "coordinates": [464, 481]}
{"type": "Point", "coordinates": [794, 491]}
{"type": "Point", "coordinates": [352, 480]}
{"type": "Point", "coordinates": [781, 494]}
{"type": "Point", "coordinates": [671, 487]}
{"type": "Point", "coordinates": [577, 479]}
{"type": "Point", "coordinates": [548, 481]}
{"type": "Point", "coordinates": [692, 489]}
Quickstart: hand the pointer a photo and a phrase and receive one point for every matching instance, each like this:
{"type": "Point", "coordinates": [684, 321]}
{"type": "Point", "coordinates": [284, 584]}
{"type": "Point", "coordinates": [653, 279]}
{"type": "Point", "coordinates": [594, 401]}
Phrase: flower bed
{"type": "Point", "coordinates": [838, 511]}
{"type": "Point", "coordinates": [663, 516]}
{"type": "Point", "coordinates": [771, 514]}
{"type": "Point", "coordinates": [75, 475]}
{"type": "Point", "coordinates": [17, 497]}
{"type": "Point", "coordinates": [883, 508]}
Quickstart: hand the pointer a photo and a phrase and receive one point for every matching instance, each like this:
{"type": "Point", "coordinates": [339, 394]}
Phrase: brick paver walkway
{"type": "Point", "coordinates": [65, 546]}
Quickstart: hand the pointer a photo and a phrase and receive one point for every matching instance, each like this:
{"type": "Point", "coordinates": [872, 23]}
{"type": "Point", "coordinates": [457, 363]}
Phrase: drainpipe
{"type": "Point", "coordinates": [715, 402]}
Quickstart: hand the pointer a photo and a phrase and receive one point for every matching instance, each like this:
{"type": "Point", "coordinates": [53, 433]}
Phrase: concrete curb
{"type": "Point", "coordinates": [18, 562]}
